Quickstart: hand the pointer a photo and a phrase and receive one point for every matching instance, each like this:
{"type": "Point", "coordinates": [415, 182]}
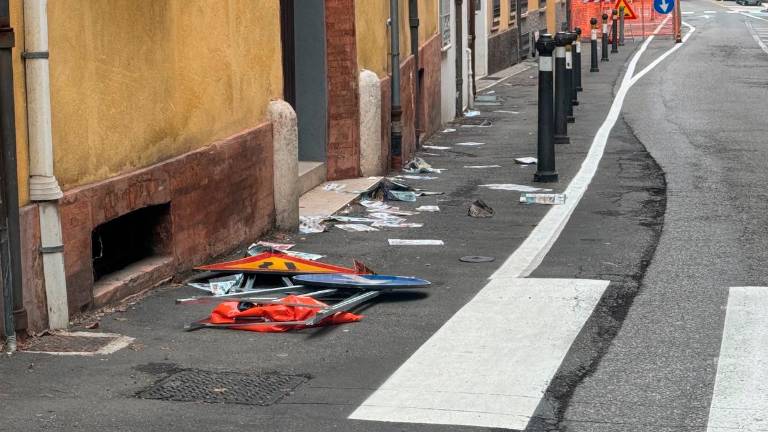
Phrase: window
{"type": "Point", "coordinates": [523, 7]}
{"type": "Point", "coordinates": [445, 22]}
{"type": "Point", "coordinates": [496, 14]}
{"type": "Point", "coordinates": [513, 13]}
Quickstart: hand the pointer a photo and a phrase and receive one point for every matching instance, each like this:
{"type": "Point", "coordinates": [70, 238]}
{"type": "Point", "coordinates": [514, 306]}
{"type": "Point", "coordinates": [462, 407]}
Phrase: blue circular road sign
{"type": "Point", "coordinates": [664, 6]}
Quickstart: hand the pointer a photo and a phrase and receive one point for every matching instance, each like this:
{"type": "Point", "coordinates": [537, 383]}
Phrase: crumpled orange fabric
{"type": "Point", "coordinates": [226, 313]}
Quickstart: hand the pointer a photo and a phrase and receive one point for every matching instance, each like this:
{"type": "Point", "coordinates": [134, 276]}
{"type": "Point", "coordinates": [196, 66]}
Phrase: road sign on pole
{"type": "Point", "coordinates": [629, 13]}
{"type": "Point", "coordinates": [664, 6]}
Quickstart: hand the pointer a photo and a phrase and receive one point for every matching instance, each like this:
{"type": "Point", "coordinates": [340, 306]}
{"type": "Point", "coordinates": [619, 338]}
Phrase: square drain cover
{"type": "Point", "coordinates": [78, 343]}
{"type": "Point", "coordinates": [191, 385]}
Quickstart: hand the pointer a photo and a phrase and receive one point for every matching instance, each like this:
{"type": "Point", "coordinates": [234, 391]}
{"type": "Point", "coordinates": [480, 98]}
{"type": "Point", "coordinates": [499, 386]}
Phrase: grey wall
{"type": "Point", "coordinates": [311, 79]}
{"type": "Point", "coordinates": [502, 50]}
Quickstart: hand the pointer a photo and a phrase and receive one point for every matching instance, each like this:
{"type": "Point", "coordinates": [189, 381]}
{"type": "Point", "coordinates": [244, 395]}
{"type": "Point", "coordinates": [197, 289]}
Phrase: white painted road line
{"type": "Point", "coordinates": [490, 364]}
{"type": "Point", "coordinates": [740, 398]}
{"type": "Point", "coordinates": [756, 37]}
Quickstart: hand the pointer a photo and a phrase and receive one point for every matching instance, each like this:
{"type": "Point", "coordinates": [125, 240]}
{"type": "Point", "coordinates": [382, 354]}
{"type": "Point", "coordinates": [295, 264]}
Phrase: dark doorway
{"type": "Point", "coordinates": [305, 73]}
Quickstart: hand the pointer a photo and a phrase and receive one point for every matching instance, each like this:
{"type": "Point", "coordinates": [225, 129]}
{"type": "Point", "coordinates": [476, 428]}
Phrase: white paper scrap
{"type": "Point", "coordinates": [331, 187]}
{"type": "Point", "coordinates": [401, 242]}
{"type": "Point", "coordinates": [507, 112]}
{"type": "Point", "coordinates": [470, 144]}
{"type": "Point", "coordinates": [549, 199]}
{"type": "Point", "coordinates": [526, 160]}
{"type": "Point", "coordinates": [355, 227]}
{"type": "Point", "coordinates": [471, 113]}
{"type": "Point", "coordinates": [436, 147]}
{"type": "Point", "coordinates": [449, 130]}
{"type": "Point", "coordinates": [428, 208]}
{"type": "Point", "coordinates": [416, 177]}
{"type": "Point", "coordinates": [514, 187]}
{"type": "Point", "coordinates": [388, 224]}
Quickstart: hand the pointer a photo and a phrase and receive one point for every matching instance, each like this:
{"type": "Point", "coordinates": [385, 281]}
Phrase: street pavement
{"type": "Point", "coordinates": [640, 316]}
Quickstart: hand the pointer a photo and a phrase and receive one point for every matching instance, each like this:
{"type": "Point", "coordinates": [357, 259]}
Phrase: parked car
{"type": "Point", "coordinates": [749, 2]}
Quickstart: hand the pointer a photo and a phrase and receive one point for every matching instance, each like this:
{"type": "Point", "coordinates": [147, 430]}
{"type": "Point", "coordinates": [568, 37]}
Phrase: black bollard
{"type": "Point", "coordinates": [577, 62]}
{"type": "Point", "coordinates": [605, 38]}
{"type": "Point", "coordinates": [561, 94]}
{"type": "Point", "coordinates": [545, 166]}
{"type": "Point", "coordinates": [593, 38]}
{"type": "Point", "coordinates": [615, 33]}
{"type": "Point", "coordinates": [622, 14]}
{"type": "Point", "coordinates": [569, 86]}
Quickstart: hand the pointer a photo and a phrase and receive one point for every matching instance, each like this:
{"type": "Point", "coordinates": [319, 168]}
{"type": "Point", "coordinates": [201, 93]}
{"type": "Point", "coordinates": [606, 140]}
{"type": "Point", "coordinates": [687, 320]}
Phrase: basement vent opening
{"type": "Point", "coordinates": [128, 239]}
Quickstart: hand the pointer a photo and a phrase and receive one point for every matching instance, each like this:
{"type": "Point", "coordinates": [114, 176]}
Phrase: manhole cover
{"type": "Point", "coordinates": [78, 343]}
{"type": "Point", "coordinates": [193, 385]}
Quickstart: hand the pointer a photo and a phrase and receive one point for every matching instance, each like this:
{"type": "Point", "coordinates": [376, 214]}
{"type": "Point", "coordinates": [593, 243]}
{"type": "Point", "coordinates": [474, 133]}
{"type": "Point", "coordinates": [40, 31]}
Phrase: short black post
{"type": "Point", "coordinates": [604, 56]}
{"type": "Point", "coordinates": [561, 93]}
{"type": "Point", "coordinates": [545, 166]}
{"type": "Point", "coordinates": [593, 39]}
{"type": "Point", "coordinates": [621, 25]}
{"type": "Point", "coordinates": [615, 31]}
{"type": "Point", "coordinates": [577, 61]}
{"type": "Point", "coordinates": [569, 86]}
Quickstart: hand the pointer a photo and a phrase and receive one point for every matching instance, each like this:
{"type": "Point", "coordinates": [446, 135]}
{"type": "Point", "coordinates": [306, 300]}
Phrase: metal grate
{"type": "Point", "coordinates": [192, 385]}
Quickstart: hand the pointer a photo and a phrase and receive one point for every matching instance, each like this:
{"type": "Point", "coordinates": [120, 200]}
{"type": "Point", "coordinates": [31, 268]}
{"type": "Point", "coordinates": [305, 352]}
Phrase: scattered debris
{"type": "Point", "coordinates": [402, 195]}
{"type": "Point", "coordinates": [428, 193]}
{"type": "Point", "coordinates": [470, 144]}
{"type": "Point", "coordinates": [526, 160]}
{"type": "Point", "coordinates": [275, 246]}
{"type": "Point", "coordinates": [476, 259]}
{"type": "Point", "coordinates": [333, 187]}
{"type": "Point", "coordinates": [484, 123]}
{"type": "Point", "coordinates": [428, 208]}
{"type": "Point", "coordinates": [417, 177]}
{"type": "Point", "coordinates": [312, 224]}
{"type": "Point", "coordinates": [506, 112]}
{"type": "Point", "coordinates": [481, 166]}
{"type": "Point", "coordinates": [514, 187]}
{"type": "Point", "coordinates": [92, 326]}
{"type": "Point", "coordinates": [436, 147]}
{"type": "Point", "coordinates": [389, 217]}
{"type": "Point", "coordinates": [449, 130]}
{"type": "Point", "coordinates": [260, 247]}
{"type": "Point", "coordinates": [539, 198]}
{"type": "Point", "coordinates": [479, 209]}
{"type": "Point", "coordinates": [355, 227]}
{"type": "Point", "coordinates": [389, 189]}
{"type": "Point", "coordinates": [402, 242]}
{"type": "Point", "coordinates": [472, 113]}
{"type": "Point", "coordinates": [490, 92]}
{"type": "Point", "coordinates": [389, 224]}
{"type": "Point", "coordinates": [419, 165]}
{"type": "Point", "coordinates": [352, 219]}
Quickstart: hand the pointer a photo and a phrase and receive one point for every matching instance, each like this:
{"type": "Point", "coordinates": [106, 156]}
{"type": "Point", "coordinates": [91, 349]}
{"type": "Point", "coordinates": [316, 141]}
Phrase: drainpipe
{"type": "Point", "coordinates": [14, 316]}
{"type": "Point", "coordinates": [472, 33]}
{"type": "Point", "coordinates": [413, 14]}
{"type": "Point", "coordinates": [396, 140]}
{"type": "Point", "coordinates": [43, 186]}
{"type": "Point", "coordinates": [459, 59]}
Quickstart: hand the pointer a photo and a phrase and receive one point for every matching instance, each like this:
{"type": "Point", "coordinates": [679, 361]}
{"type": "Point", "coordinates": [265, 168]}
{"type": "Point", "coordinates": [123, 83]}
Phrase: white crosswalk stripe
{"type": "Point", "coordinates": [491, 363]}
{"type": "Point", "coordinates": [759, 34]}
{"type": "Point", "coordinates": [740, 397]}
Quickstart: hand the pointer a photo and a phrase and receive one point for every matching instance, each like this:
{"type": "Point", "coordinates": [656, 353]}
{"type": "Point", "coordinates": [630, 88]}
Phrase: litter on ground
{"type": "Point", "coordinates": [479, 209]}
{"type": "Point", "coordinates": [428, 208]}
{"type": "Point", "coordinates": [550, 199]}
{"type": "Point", "coordinates": [389, 224]}
{"type": "Point", "coordinates": [418, 165]}
{"type": "Point", "coordinates": [472, 113]}
{"type": "Point", "coordinates": [514, 187]}
{"type": "Point", "coordinates": [470, 144]}
{"type": "Point", "coordinates": [333, 187]}
{"type": "Point", "coordinates": [417, 177]}
{"type": "Point", "coordinates": [436, 147]}
{"type": "Point", "coordinates": [355, 227]}
{"type": "Point", "coordinates": [526, 160]}
{"type": "Point", "coordinates": [312, 224]}
{"type": "Point", "coordinates": [403, 242]}
{"type": "Point", "coordinates": [449, 130]}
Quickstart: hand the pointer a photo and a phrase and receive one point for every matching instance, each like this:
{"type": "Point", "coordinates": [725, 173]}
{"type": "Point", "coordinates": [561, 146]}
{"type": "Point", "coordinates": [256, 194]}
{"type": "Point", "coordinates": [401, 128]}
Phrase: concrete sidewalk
{"type": "Point", "coordinates": [339, 366]}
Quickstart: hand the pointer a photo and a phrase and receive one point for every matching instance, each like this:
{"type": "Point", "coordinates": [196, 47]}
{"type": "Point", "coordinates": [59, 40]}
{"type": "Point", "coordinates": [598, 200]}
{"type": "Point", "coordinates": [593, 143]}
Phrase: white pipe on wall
{"type": "Point", "coordinates": [43, 186]}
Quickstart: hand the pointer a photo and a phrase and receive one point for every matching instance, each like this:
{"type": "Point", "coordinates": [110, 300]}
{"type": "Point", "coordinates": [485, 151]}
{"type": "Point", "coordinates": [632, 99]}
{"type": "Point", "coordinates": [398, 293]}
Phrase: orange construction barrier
{"type": "Point", "coordinates": [640, 19]}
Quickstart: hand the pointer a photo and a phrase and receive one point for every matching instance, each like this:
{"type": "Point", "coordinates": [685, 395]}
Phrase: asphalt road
{"type": "Point", "coordinates": [700, 114]}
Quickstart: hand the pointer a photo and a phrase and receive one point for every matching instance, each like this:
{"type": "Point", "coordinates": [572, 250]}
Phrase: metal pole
{"type": "Point", "coordinates": [413, 20]}
{"type": "Point", "coordinates": [396, 140]}
{"type": "Point", "coordinates": [577, 61]}
{"type": "Point", "coordinates": [615, 32]}
{"type": "Point", "coordinates": [569, 86]}
{"type": "Point", "coordinates": [678, 23]}
{"type": "Point", "coordinates": [621, 25]}
{"type": "Point", "coordinates": [14, 316]}
{"type": "Point", "coordinates": [459, 60]}
{"type": "Point", "coordinates": [561, 93]}
{"type": "Point", "coordinates": [605, 38]}
{"type": "Point", "coordinates": [593, 67]}
{"type": "Point", "coordinates": [545, 166]}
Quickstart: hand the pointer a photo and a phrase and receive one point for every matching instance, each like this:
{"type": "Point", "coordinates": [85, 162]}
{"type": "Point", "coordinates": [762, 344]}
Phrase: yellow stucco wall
{"type": "Point", "coordinates": [134, 82]}
{"type": "Point", "coordinates": [19, 94]}
{"type": "Point", "coordinates": [373, 35]}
